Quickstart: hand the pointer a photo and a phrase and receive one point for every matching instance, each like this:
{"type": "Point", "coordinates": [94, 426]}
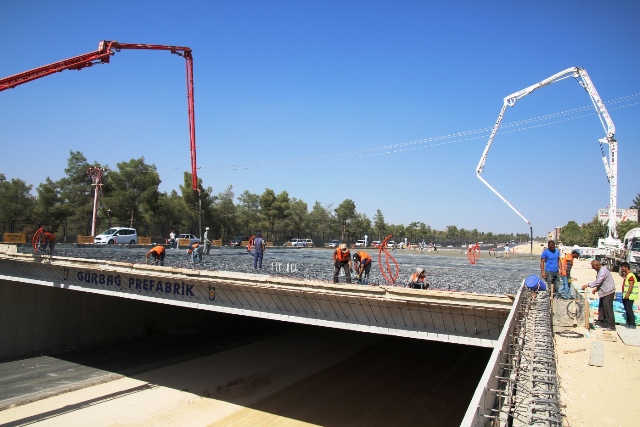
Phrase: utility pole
{"type": "Point", "coordinates": [95, 173]}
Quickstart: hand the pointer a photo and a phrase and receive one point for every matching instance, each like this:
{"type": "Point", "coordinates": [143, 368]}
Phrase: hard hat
{"type": "Point", "coordinates": [206, 228]}
{"type": "Point", "coordinates": [420, 270]}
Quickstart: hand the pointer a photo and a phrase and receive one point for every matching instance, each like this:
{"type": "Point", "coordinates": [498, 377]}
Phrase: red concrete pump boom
{"type": "Point", "coordinates": [101, 56]}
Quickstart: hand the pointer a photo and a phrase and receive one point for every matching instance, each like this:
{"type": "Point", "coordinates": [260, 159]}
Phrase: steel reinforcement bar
{"type": "Point", "coordinates": [520, 384]}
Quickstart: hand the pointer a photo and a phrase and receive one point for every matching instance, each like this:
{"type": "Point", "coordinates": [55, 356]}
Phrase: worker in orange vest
{"type": "Point", "coordinates": [362, 264]}
{"type": "Point", "coordinates": [47, 239]}
{"type": "Point", "coordinates": [342, 259]}
{"type": "Point", "coordinates": [196, 250]}
{"type": "Point", "coordinates": [419, 279]}
{"type": "Point", "coordinates": [158, 255]}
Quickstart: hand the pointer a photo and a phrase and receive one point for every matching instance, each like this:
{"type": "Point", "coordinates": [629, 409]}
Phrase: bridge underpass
{"type": "Point", "coordinates": [46, 287]}
{"type": "Point", "coordinates": [453, 317]}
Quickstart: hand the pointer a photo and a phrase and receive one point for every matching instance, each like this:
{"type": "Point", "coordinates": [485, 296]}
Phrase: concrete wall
{"type": "Point", "coordinates": [40, 319]}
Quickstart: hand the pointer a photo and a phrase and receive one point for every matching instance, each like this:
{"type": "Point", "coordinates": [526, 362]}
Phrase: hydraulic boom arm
{"type": "Point", "coordinates": [101, 56]}
{"type": "Point", "coordinates": [610, 166]}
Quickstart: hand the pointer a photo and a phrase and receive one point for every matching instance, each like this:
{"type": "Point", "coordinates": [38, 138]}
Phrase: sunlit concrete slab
{"type": "Point", "coordinates": [456, 317]}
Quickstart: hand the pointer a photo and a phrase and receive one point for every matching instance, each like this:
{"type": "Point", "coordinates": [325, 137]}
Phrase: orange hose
{"type": "Point", "coordinates": [388, 275]}
{"type": "Point", "coordinates": [35, 239]}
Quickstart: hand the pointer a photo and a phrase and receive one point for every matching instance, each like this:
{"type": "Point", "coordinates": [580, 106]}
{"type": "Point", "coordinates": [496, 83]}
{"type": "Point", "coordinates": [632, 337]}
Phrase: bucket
{"type": "Point", "coordinates": [535, 283]}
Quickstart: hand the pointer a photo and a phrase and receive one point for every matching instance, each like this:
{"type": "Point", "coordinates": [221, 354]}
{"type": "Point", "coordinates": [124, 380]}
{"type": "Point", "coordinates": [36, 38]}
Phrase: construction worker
{"type": "Point", "coordinates": [172, 239]}
{"type": "Point", "coordinates": [196, 251]}
{"type": "Point", "coordinates": [260, 247]}
{"type": "Point", "coordinates": [207, 243]}
{"type": "Point", "coordinates": [342, 259]}
{"type": "Point", "coordinates": [629, 293]}
{"type": "Point", "coordinates": [566, 263]}
{"type": "Point", "coordinates": [47, 239]}
{"type": "Point", "coordinates": [158, 255]}
{"type": "Point", "coordinates": [362, 264]}
{"type": "Point", "coordinates": [419, 279]}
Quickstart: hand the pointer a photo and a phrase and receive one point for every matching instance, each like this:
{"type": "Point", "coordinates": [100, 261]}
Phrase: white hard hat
{"type": "Point", "coordinates": [419, 270]}
{"type": "Point", "coordinates": [206, 228]}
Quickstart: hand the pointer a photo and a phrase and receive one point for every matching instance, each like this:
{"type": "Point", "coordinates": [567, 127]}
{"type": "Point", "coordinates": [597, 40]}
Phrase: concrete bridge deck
{"type": "Point", "coordinates": [455, 317]}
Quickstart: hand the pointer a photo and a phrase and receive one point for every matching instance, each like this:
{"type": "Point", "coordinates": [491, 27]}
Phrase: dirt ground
{"type": "Point", "coordinates": [598, 396]}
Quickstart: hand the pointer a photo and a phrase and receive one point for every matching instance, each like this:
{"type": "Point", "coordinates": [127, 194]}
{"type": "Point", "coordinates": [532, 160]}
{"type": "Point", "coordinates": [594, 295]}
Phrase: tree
{"type": "Point", "coordinates": [379, 224]}
{"type": "Point", "coordinates": [320, 218]}
{"type": "Point", "coordinates": [452, 233]}
{"type": "Point", "coordinates": [345, 212]}
{"type": "Point", "coordinates": [636, 202]}
{"type": "Point", "coordinates": [16, 205]}
{"type": "Point", "coordinates": [571, 234]}
{"type": "Point", "coordinates": [624, 226]}
{"type": "Point", "coordinates": [48, 209]}
{"type": "Point", "coordinates": [191, 204]}
{"type": "Point", "coordinates": [76, 194]}
{"type": "Point", "coordinates": [593, 231]}
{"type": "Point", "coordinates": [225, 212]}
{"type": "Point", "coordinates": [269, 209]}
{"type": "Point", "coordinates": [298, 217]}
{"type": "Point", "coordinates": [133, 192]}
{"type": "Point", "coordinates": [248, 212]}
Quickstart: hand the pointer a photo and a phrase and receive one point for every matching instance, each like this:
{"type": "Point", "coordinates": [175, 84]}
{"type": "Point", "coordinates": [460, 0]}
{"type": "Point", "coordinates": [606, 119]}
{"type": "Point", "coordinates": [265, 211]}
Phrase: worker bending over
{"type": "Point", "coordinates": [196, 251]}
{"type": "Point", "coordinates": [47, 239]}
{"type": "Point", "coordinates": [342, 259]}
{"type": "Point", "coordinates": [157, 252]}
{"type": "Point", "coordinates": [419, 279]}
{"type": "Point", "coordinates": [362, 264]}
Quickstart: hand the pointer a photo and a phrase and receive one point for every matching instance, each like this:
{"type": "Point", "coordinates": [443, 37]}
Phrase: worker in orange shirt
{"type": "Point", "coordinates": [419, 279]}
{"type": "Point", "coordinates": [47, 239]}
{"type": "Point", "coordinates": [158, 255]}
{"type": "Point", "coordinates": [566, 263]}
{"type": "Point", "coordinates": [362, 264]}
{"type": "Point", "coordinates": [196, 251]}
{"type": "Point", "coordinates": [342, 259]}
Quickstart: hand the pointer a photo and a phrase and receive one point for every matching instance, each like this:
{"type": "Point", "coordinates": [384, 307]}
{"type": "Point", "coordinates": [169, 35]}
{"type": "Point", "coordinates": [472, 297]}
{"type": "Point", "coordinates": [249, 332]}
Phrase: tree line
{"type": "Point", "coordinates": [130, 196]}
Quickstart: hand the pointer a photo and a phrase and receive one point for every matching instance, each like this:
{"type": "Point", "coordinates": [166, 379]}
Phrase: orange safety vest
{"type": "Point", "coordinates": [192, 247]}
{"type": "Point", "coordinates": [364, 258]}
{"type": "Point", "coordinates": [341, 256]}
{"type": "Point", "coordinates": [48, 237]}
{"type": "Point", "coordinates": [157, 249]}
{"type": "Point", "coordinates": [563, 264]}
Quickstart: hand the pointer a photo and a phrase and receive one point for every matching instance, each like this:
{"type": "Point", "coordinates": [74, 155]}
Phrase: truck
{"type": "Point", "coordinates": [629, 252]}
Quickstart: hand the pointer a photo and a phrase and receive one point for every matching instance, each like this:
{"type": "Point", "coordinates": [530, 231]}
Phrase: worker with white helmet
{"type": "Point", "coordinates": [207, 242]}
{"type": "Point", "coordinates": [419, 279]}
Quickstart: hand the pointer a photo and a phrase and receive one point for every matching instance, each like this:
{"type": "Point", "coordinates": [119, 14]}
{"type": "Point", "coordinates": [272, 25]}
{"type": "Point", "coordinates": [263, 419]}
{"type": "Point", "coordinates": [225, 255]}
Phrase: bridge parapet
{"type": "Point", "coordinates": [457, 317]}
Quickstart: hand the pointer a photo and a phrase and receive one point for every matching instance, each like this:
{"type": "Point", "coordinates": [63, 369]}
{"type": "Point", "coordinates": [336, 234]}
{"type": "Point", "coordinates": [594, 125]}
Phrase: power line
{"type": "Point", "coordinates": [437, 141]}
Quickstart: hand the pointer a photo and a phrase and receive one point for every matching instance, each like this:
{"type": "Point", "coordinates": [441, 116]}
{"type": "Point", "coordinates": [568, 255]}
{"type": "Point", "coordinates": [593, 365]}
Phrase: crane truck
{"type": "Point", "coordinates": [628, 252]}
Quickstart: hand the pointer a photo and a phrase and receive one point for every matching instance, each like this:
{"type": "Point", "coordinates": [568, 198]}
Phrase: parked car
{"type": "Point", "coordinates": [334, 243]}
{"type": "Point", "coordinates": [238, 240]}
{"type": "Point", "coordinates": [376, 243]}
{"type": "Point", "coordinates": [117, 235]}
{"type": "Point", "coordinates": [438, 245]}
{"type": "Point", "coordinates": [360, 244]}
{"type": "Point", "coordinates": [309, 243]}
{"type": "Point", "coordinates": [296, 243]}
{"type": "Point", "coordinates": [392, 244]}
{"type": "Point", "coordinates": [192, 239]}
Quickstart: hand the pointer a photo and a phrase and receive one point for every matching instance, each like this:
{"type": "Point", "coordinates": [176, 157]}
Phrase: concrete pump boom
{"type": "Point", "coordinates": [101, 56]}
{"type": "Point", "coordinates": [610, 166]}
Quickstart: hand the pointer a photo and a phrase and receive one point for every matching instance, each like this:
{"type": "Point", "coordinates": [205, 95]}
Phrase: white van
{"type": "Point", "coordinates": [117, 236]}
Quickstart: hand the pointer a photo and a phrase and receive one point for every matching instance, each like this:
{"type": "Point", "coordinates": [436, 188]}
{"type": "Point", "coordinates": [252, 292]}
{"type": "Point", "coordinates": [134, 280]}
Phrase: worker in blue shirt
{"type": "Point", "coordinates": [550, 265]}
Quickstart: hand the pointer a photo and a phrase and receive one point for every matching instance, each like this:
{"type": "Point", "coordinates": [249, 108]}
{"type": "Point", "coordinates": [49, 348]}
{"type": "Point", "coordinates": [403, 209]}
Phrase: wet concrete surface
{"type": "Point", "coordinates": [448, 269]}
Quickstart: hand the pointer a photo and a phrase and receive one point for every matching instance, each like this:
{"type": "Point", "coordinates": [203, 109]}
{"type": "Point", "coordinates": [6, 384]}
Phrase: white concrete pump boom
{"type": "Point", "coordinates": [610, 166]}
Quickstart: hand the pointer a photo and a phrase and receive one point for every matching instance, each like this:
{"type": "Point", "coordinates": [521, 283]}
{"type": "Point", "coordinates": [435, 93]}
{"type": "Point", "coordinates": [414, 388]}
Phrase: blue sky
{"type": "Point", "coordinates": [320, 98]}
